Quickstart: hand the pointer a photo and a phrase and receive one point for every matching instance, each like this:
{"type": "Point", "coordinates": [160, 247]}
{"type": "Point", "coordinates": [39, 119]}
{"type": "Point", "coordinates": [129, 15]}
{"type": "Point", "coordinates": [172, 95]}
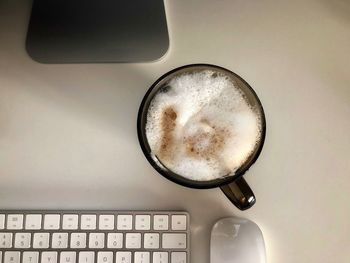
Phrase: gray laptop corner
{"type": "Point", "coordinates": [97, 31]}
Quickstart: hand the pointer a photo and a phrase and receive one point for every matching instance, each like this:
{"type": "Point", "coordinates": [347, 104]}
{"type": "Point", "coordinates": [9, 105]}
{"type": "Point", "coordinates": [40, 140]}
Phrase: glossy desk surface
{"type": "Point", "coordinates": [68, 132]}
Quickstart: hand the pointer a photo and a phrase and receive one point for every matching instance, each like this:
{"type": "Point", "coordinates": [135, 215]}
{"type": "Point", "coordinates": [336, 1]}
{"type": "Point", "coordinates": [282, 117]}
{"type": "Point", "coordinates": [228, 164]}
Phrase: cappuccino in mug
{"type": "Point", "coordinates": [201, 126]}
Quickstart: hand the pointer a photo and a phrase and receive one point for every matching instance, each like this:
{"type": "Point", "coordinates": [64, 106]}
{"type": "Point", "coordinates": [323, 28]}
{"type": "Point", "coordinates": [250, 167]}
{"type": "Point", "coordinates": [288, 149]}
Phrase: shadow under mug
{"type": "Point", "coordinates": [233, 185]}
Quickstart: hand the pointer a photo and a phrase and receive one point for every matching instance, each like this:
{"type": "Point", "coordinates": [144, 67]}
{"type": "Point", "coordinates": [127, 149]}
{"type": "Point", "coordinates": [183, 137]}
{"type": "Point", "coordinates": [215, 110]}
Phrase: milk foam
{"type": "Point", "coordinates": [210, 110]}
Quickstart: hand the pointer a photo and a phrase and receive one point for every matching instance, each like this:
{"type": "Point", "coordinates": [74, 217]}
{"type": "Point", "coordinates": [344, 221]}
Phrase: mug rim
{"type": "Point", "coordinates": [174, 177]}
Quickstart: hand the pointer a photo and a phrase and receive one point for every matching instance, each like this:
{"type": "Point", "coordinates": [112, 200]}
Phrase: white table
{"type": "Point", "coordinates": [68, 132]}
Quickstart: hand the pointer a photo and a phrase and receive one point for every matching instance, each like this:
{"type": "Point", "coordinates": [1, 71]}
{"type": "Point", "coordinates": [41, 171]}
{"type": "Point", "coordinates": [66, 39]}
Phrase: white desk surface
{"type": "Point", "coordinates": [68, 132]}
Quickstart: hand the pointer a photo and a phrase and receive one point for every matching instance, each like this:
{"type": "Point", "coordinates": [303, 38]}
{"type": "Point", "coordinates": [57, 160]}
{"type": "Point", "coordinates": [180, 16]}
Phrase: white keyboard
{"type": "Point", "coordinates": [94, 237]}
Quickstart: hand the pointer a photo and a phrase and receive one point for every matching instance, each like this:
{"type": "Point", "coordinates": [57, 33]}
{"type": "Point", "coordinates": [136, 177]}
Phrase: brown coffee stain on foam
{"type": "Point", "coordinates": [168, 124]}
{"type": "Point", "coordinates": [215, 142]}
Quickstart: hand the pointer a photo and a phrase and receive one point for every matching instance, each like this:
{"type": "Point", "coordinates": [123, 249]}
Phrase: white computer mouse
{"type": "Point", "coordinates": [237, 240]}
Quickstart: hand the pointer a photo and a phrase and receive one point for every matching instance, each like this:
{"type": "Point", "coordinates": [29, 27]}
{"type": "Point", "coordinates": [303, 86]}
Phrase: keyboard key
{"type": "Point", "coordinates": [106, 222]}
{"type": "Point", "coordinates": [173, 241]}
{"type": "Point", "coordinates": [52, 222]}
{"type": "Point", "coordinates": [30, 257]}
{"type": "Point", "coordinates": [48, 257]}
{"type": "Point", "coordinates": [78, 240]}
{"type": "Point", "coordinates": [123, 257]}
{"type": "Point", "coordinates": [14, 221]}
{"type": "Point", "coordinates": [124, 222]}
{"type": "Point", "coordinates": [86, 257]}
{"type": "Point", "coordinates": [5, 240]}
{"type": "Point", "coordinates": [133, 240]}
{"type": "Point", "coordinates": [70, 222]}
{"type": "Point", "coordinates": [41, 240]}
{"type": "Point", "coordinates": [88, 222]}
{"type": "Point", "coordinates": [96, 240]}
{"type": "Point", "coordinates": [115, 240]}
{"type": "Point", "coordinates": [12, 257]}
{"type": "Point", "coordinates": [68, 257]}
{"type": "Point", "coordinates": [151, 240]}
{"type": "Point", "coordinates": [178, 257]}
{"type": "Point", "coordinates": [2, 221]}
{"type": "Point", "coordinates": [143, 222]}
{"type": "Point", "coordinates": [141, 257]}
{"type": "Point", "coordinates": [178, 222]}
{"type": "Point", "coordinates": [33, 222]}
{"type": "Point", "coordinates": [160, 257]}
{"type": "Point", "coordinates": [22, 240]}
{"type": "Point", "coordinates": [59, 240]}
{"type": "Point", "coordinates": [160, 222]}
{"type": "Point", "coordinates": [105, 257]}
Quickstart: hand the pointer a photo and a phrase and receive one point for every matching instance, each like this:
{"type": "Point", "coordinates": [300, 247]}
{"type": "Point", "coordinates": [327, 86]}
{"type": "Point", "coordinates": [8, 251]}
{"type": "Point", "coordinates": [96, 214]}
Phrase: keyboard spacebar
{"type": "Point", "coordinates": [174, 240]}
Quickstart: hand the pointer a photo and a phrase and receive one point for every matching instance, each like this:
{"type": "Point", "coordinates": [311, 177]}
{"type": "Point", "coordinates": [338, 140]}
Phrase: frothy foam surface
{"type": "Point", "coordinates": [201, 127]}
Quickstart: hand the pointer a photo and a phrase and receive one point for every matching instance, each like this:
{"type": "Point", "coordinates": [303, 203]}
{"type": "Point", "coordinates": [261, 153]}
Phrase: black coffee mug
{"type": "Point", "coordinates": [233, 185]}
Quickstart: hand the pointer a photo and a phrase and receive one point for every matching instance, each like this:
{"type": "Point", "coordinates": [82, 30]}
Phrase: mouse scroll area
{"type": "Point", "coordinates": [237, 240]}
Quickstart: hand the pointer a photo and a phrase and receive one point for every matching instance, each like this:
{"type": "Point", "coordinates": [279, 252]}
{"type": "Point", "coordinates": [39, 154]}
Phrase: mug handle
{"type": "Point", "coordinates": [239, 193]}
